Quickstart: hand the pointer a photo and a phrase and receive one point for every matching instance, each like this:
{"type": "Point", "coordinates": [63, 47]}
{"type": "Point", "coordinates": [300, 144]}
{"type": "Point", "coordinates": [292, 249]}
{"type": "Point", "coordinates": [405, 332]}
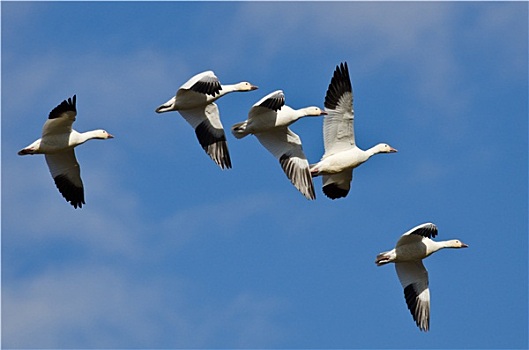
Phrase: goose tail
{"type": "Point", "coordinates": [383, 258]}
{"type": "Point", "coordinates": [239, 130]}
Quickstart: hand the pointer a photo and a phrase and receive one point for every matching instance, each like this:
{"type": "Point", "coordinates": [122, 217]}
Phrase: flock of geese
{"type": "Point", "coordinates": [269, 120]}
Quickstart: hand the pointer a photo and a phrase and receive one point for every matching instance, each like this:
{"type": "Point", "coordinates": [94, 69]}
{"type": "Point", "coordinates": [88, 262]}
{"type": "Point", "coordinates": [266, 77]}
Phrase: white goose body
{"type": "Point", "coordinates": [412, 247]}
{"type": "Point", "coordinates": [57, 144]}
{"type": "Point", "coordinates": [271, 112]}
{"type": "Point", "coordinates": [268, 120]}
{"type": "Point", "coordinates": [194, 100]}
{"type": "Point", "coordinates": [342, 154]}
{"type": "Point", "coordinates": [338, 162]}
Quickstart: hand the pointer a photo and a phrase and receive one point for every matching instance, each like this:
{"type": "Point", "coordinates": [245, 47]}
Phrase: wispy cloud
{"type": "Point", "coordinates": [155, 258]}
{"type": "Point", "coordinates": [94, 298]}
{"type": "Point", "coordinates": [100, 306]}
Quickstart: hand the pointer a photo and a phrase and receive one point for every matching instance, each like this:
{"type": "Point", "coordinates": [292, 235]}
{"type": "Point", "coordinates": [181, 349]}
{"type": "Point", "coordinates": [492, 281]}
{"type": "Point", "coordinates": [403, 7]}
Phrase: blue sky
{"type": "Point", "coordinates": [172, 252]}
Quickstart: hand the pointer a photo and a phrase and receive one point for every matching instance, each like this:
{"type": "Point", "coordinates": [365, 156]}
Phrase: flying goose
{"type": "Point", "coordinates": [195, 102]}
{"type": "Point", "coordinates": [412, 247]}
{"type": "Point", "coordinates": [342, 154]}
{"type": "Point", "coordinates": [57, 144]}
{"type": "Point", "coordinates": [268, 120]}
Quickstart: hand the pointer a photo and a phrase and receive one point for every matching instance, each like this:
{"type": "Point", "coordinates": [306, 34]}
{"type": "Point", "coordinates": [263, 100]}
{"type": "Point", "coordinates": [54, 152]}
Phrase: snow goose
{"type": "Point", "coordinates": [57, 144]}
{"type": "Point", "coordinates": [195, 102]}
{"type": "Point", "coordinates": [412, 247]}
{"type": "Point", "coordinates": [268, 120]}
{"type": "Point", "coordinates": [341, 152]}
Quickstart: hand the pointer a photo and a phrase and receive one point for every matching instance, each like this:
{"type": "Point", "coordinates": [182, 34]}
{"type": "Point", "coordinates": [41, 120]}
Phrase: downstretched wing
{"type": "Point", "coordinates": [414, 279]}
{"type": "Point", "coordinates": [338, 128]}
{"type": "Point", "coordinates": [337, 185]}
{"type": "Point", "coordinates": [286, 146]}
{"type": "Point", "coordinates": [210, 133]}
{"type": "Point", "coordinates": [66, 173]}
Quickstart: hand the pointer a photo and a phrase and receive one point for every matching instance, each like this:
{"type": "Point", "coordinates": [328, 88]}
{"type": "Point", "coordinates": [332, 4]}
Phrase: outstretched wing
{"type": "Point", "coordinates": [338, 128]}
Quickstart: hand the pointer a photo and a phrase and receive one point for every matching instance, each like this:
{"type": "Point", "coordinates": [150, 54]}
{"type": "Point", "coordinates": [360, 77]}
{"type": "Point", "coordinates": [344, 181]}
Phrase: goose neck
{"type": "Point", "coordinates": [226, 89]}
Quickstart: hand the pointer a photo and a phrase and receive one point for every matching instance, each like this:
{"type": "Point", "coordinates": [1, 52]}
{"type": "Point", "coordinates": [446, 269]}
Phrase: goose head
{"type": "Point", "coordinates": [314, 111]}
{"type": "Point", "coordinates": [245, 86]}
{"type": "Point", "coordinates": [102, 134]}
{"type": "Point", "coordinates": [384, 148]}
{"type": "Point", "coordinates": [455, 243]}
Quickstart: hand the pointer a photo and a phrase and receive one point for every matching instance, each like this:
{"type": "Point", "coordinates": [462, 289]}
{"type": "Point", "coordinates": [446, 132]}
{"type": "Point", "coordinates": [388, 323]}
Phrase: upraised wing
{"type": "Point", "coordinates": [205, 83]}
{"type": "Point", "coordinates": [61, 118]}
{"type": "Point", "coordinates": [338, 125]}
{"type": "Point", "coordinates": [418, 233]}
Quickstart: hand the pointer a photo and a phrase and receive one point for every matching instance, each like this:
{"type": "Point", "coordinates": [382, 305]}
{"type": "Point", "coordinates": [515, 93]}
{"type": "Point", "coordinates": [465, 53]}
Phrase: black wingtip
{"type": "Point", "coordinates": [301, 179]}
{"type": "Point", "coordinates": [274, 102]}
{"type": "Point", "coordinates": [219, 153]}
{"type": "Point", "coordinates": [207, 87]}
{"type": "Point", "coordinates": [411, 295]}
{"type": "Point", "coordinates": [68, 105]}
{"type": "Point", "coordinates": [334, 192]}
{"type": "Point", "coordinates": [428, 230]}
{"type": "Point", "coordinates": [73, 194]}
{"type": "Point", "coordinates": [340, 84]}
{"type": "Point", "coordinates": [213, 141]}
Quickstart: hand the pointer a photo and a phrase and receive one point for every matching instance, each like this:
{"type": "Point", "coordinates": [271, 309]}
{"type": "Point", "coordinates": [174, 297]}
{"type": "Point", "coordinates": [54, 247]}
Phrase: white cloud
{"type": "Point", "coordinates": [110, 85]}
{"type": "Point", "coordinates": [102, 297]}
{"type": "Point", "coordinates": [418, 40]}
{"type": "Point", "coordinates": [379, 31]}
{"type": "Point", "coordinates": [36, 205]}
{"type": "Point", "coordinates": [111, 295]}
{"type": "Point", "coordinates": [505, 24]}
{"type": "Point", "coordinates": [102, 307]}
